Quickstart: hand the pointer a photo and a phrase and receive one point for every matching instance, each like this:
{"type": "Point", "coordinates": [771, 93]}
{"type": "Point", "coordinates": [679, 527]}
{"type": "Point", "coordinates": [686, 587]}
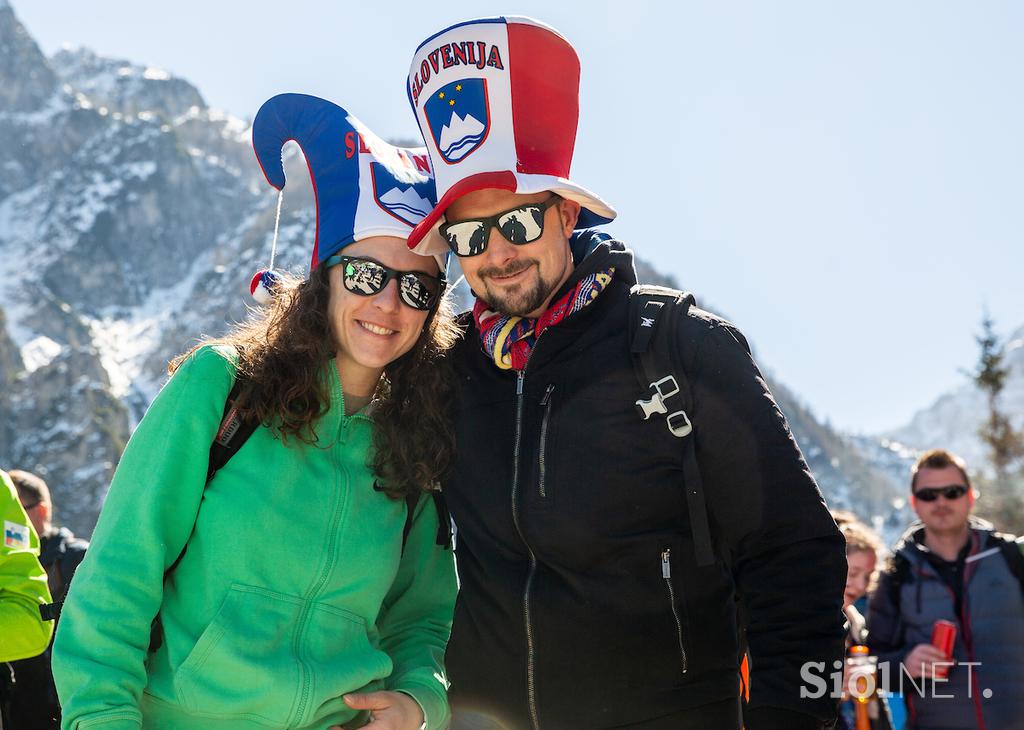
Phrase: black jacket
{"type": "Point", "coordinates": [581, 605]}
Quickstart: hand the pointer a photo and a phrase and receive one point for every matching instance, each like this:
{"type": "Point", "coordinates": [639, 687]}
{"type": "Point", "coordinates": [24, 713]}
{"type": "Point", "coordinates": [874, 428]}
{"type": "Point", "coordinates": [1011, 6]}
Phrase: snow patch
{"type": "Point", "coordinates": [39, 352]}
{"type": "Point", "coordinates": [125, 339]}
{"type": "Point", "coordinates": [156, 74]}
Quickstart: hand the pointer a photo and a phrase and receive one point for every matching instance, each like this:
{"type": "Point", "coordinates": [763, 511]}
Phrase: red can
{"type": "Point", "coordinates": [943, 639]}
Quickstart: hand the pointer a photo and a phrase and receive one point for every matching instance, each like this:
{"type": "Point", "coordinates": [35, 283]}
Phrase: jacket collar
{"type": "Point", "coordinates": [911, 543]}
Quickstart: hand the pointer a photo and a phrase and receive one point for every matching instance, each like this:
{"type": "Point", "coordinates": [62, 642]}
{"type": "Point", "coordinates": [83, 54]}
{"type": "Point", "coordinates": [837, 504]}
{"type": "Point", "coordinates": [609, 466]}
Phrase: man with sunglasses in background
{"type": "Point", "coordinates": [953, 567]}
{"type": "Point", "coordinates": [585, 600]}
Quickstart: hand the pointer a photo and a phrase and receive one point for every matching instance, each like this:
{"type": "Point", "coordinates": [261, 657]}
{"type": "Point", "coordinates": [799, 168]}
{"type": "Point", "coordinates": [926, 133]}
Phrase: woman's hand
{"type": "Point", "coordinates": [388, 710]}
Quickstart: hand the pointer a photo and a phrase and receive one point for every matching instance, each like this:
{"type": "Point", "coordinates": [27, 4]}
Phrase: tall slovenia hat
{"type": "Point", "coordinates": [362, 185]}
{"type": "Point", "coordinates": [497, 101]}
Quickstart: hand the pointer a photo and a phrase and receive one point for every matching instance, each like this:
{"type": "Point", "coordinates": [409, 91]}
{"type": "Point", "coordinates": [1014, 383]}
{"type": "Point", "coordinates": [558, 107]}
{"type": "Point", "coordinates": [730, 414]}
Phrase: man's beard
{"type": "Point", "coordinates": [521, 300]}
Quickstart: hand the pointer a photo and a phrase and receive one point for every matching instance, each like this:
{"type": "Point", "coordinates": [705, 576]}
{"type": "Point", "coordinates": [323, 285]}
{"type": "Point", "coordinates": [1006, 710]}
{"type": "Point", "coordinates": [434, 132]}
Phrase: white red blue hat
{"type": "Point", "coordinates": [497, 101]}
{"type": "Point", "coordinates": [363, 186]}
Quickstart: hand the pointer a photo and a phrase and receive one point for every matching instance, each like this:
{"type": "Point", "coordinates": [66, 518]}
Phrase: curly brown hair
{"type": "Point", "coordinates": [281, 351]}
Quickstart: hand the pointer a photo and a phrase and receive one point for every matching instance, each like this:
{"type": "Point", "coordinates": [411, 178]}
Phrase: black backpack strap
{"type": "Point", "coordinates": [899, 572]}
{"type": "Point", "coordinates": [654, 313]}
{"type": "Point", "coordinates": [232, 434]}
{"type": "Point", "coordinates": [444, 523]}
{"type": "Point", "coordinates": [1011, 550]}
{"type": "Point", "coordinates": [444, 519]}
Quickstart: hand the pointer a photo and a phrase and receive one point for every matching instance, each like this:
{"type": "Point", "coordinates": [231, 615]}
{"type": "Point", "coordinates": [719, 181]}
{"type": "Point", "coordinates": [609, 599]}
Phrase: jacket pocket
{"type": "Point", "coordinates": [243, 664]}
{"type": "Point", "coordinates": [673, 600]}
{"type": "Point", "coordinates": [542, 451]}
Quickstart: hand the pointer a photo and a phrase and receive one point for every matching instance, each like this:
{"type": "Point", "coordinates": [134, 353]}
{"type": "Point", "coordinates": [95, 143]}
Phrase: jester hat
{"type": "Point", "coordinates": [362, 185]}
{"type": "Point", "coordinates": [497, 102]}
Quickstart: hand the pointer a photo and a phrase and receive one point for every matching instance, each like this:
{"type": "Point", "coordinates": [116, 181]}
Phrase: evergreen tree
{"type": "Point", "coordinates": [1005, 444]}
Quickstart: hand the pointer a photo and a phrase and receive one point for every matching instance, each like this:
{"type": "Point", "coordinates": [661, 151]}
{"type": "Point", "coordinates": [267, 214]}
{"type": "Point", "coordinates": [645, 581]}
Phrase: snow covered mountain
{"type": "Point", "coordinates": [132, 216]}
{"type": "Point", "coordinates": [953, 421]}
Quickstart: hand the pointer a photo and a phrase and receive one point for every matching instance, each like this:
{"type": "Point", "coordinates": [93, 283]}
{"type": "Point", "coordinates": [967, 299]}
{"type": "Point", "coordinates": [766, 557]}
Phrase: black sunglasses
{"type": "Point", "coordinates": [523, 224]}
{"type": "Point", "coordinates": [930, 494]}
{"type": "Point", "coordinates": [367, 277]}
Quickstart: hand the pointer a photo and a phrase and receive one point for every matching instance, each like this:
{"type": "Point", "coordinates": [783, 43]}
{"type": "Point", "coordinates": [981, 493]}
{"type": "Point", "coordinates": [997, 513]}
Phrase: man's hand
{"type": "Point", "coordinates": [388, 710]}
{"type": "Point", "coordinates": [920, 662]}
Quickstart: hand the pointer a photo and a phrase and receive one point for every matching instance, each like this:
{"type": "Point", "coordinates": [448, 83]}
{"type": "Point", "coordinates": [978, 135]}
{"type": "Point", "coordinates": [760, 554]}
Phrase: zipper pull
{"type": "Point", "coordinates": [520, 377]}
{"type": "Point", "coordinates": [666, 566]}
{"type": "Point", "coordinates": [547, 395]}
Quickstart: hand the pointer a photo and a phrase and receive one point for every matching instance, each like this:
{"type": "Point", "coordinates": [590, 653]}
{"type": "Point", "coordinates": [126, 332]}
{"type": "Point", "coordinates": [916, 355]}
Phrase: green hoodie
{"type": "Point", "coordinates": [23, 633]}
{"type": "Point", "coordinates": [293, 591]}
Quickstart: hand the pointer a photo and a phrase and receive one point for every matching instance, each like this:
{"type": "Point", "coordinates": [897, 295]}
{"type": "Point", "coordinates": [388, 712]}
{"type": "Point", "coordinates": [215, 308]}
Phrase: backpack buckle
{"type": "Point", "coordinates": [664, 388]}
{"type": "Point", "coordinates": [678, 422]}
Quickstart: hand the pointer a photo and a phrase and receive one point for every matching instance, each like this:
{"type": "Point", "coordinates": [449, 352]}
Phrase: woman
{"type": "Point", "coordinates": [862, 549]}
{"type": "Point", "coordinates": [286, 593]}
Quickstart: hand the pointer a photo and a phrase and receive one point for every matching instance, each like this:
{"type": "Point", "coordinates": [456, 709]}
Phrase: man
{"type": "Point", "coordinates": [32, 697]}
{"type": "Point", "coordinates": [952, 567]}
{"type": "Point", "coordinates": [23, 589]}
{"type": "Point", "coordinates": [584, 598]}
{"type": "Point", "coordinates": [60, 551]}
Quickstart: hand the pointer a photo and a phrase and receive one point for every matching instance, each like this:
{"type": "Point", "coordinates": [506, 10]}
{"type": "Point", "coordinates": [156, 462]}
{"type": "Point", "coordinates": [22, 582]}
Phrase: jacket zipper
{"type": "Point", "coordinates": [546, 402]}
{"type": "Point", "coordinates": [531, 693]}
{"type": "Point", "coordinates": [666, 574]}
{"type": "Point", "coordinates": [317, 587]}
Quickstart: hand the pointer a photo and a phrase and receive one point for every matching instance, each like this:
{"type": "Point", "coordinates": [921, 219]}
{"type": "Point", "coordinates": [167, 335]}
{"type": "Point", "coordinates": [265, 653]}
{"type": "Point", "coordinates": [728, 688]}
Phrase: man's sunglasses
{"type": "Point", "coordinates": [520, 225]}
{"type": "Point", "coordinates": [367, 277]}
{"type": "Point", "coordinates": [930, 494]}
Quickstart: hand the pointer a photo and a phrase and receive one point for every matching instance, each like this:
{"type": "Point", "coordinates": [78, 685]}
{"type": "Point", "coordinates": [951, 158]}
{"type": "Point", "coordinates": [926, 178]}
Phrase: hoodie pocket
{"type": "Point", "coordinates": [243, 664]}
{"type": "Point", "coordinates": [271, 658]}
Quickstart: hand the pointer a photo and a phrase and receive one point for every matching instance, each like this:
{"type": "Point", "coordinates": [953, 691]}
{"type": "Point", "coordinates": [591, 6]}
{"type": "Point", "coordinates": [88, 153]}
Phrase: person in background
{"type": "Point", "coordinates": [60, 551]}
{"type": "Point", "coordinates": [23, 589]}
{"type": "Point", "coordinates": [951, 566]}
{"type": "Point", "coordinates": [303, 585]}
{"type": "Point", "coordinates": [29, 685]}
{"type": "Point", "coordinates": [863, 547]}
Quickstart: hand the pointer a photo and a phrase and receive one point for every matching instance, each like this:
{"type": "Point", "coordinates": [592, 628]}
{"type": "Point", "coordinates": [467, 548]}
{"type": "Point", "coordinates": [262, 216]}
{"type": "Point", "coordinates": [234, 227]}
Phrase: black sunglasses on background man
{"type": "Point", "coordinates": [930, 494]}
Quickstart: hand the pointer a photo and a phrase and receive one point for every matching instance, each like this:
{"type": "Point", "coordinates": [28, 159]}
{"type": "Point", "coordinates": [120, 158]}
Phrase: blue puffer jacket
{"type": "Point", "coordinates": [986, 689]}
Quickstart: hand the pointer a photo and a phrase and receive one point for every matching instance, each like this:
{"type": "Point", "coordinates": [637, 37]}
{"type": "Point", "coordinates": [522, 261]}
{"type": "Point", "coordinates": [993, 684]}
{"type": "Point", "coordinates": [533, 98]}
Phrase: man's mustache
{"type": "Point", "coordinates": [510, 270]}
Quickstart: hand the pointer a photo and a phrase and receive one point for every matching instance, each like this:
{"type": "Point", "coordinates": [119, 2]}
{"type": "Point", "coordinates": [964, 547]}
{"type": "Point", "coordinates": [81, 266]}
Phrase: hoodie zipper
{"type": "Point", "coordinates": [546, 403]}
{"type": "Point", "coordinates": [328, 566]}
{"type": "Point", "coordinates": [666, 574]}
{"type": "Point", "coordinates": [531, 691]}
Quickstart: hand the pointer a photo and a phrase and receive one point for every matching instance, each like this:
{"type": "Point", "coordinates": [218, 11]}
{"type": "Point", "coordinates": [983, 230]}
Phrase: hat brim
{"type": "Point", "coordinates": [425, 239]}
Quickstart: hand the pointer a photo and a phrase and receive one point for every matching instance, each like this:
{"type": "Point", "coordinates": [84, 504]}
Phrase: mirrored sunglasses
{"type": "Point", "coordinates": [367, 277]}
{"type": "Point", "coordinates": [930, 494]}
{"type": "Point", "coordinates": [519, 226]}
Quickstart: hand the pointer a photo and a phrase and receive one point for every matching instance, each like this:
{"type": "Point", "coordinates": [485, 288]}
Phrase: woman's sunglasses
{"type": "Point", "coordinates": [524, 224]}
{"type": "Point", "coordinates": [930, 494]}
{"type": "Point", "coordinates": [367, 277]}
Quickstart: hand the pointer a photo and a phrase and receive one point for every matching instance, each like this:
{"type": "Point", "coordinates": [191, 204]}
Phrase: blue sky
{"type": "Point", "coordinates": [843, 180]}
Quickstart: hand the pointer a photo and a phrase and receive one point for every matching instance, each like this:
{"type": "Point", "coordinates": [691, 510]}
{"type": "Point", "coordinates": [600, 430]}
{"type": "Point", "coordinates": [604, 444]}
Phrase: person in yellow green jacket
{"type": "Point", "coordinates": [286, 594]}
{"type": "Point", "coordinates": [23, 589]}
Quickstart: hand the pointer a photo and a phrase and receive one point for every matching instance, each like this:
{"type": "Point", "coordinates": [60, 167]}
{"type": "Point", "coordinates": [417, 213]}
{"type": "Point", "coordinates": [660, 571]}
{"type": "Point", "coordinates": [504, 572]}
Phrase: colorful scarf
{"type": "Point", "coordinates": [508, 339]}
